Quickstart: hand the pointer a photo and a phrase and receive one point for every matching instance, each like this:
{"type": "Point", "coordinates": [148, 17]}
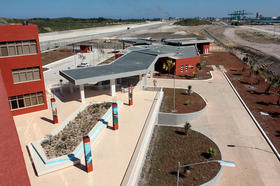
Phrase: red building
{"type": "Point", "coordinates": [21, 66]}
{"type": "Point", "coordinates": [13, 169]}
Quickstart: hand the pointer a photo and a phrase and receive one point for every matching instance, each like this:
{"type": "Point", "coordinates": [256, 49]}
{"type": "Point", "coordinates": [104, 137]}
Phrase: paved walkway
{"type": "Point", "coordinates": [111, 155]}
{"type": "Point", "coordinates": [227, 122]}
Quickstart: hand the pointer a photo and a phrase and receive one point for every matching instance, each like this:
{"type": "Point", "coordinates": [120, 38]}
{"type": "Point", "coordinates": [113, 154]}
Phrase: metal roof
{"type": "Point", "coordinates": [187, 41]}
{"type": "Point", "coordinates": [137, 41]}
{"type": "Point", "coordinates": [137, 61]}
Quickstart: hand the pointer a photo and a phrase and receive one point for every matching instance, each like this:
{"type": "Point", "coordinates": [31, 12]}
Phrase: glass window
{"type": "Point", "coordinates": [29, 74]}
{"type": "Point", "coordinates": [40, 98]}
{"type": "Point", "coordinates": [19, 50]}
{"type": "Point", "coordinates": [16, 77]}
{"type": "Point", "coordinates": [34, 99]}
{"type": "Point", "coordinates": [12, 50]}
{"type": "Point", "coordinates": [27, 100]}
{"type": "Point", "coordinates": [4, 51]}
{"type": "Point", "coordinates": [187, 68]}
{"type": "Point", "coordinates": [37, 73]}
{"type": "Point", "coordinates": [25, 49]}
{"type": "Point", "coordinates": [20, 103]}
{"type": "Point", "coordinates": [14, 104]}
{"type": "Point", "coordinates": [33, 49]}
{"type": "Point", "coordinates": [22, 76]}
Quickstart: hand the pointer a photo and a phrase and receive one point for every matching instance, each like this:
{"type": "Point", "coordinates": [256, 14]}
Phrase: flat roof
{"type": "Point", "coordinates": [187, 41]}
{"type": "Point", "coordinates": [136, 61]}
{"type": "Point", "coordinates": [137, 41]}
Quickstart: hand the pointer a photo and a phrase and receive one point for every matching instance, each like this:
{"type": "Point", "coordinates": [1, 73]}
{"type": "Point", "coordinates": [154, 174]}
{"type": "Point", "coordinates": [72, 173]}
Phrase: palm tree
{"type": "Point", "coordinates": [251, 64]}
{"type": "Point", "coordinates": [245, 60]}
{"type": "Point", "coordinates": [272, 80]}
{"type": "Point", "coordinates": [187, 126]}
{"type": "Point", "coordinates": [168, 65]}
{"type": "Point", "coordinates": [198, 66]}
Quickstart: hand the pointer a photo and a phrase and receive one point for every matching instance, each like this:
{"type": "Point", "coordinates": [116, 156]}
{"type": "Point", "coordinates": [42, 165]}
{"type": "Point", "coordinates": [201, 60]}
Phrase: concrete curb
{"type": "Point", "coordinates": [134, 169]}
{"type": "Point", "coordinates": [253, 118]}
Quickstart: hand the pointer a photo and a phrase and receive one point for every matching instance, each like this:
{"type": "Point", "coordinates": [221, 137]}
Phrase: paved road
{"type": "Point", "coordinates": [268, 29]}
{"type": "Point", "coordinates": [270, 49]}
{"type": "Point", "coordinates": [227, 122]}
{"type": "Point", "coordinates": [54, 39]}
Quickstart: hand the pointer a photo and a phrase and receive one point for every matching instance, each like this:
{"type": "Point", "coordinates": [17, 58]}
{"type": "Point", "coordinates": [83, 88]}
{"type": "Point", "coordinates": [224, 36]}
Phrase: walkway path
{"type": "Point", "coordinates": [227, 122]}
{"type": "Point", "coordinates": [111, 155]}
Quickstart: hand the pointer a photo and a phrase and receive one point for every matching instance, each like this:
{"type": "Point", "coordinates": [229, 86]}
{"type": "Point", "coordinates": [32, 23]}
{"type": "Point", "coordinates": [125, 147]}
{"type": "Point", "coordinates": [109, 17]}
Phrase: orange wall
{"type": "Point", "coordinates": [186, 61]}
{"type": "Point", "coordinates": [7, 64]}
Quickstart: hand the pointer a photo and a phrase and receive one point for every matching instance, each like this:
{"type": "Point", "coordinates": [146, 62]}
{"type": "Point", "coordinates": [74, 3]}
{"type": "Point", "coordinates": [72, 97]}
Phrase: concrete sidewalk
{"type": "Point", "coordinates": [227, 122]}
{"type": "Point", "coordinates": [113, 151]}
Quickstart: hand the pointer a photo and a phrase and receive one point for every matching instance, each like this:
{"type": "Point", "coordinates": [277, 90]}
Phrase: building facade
{"type": "Point", "coordinates": [21, 66]}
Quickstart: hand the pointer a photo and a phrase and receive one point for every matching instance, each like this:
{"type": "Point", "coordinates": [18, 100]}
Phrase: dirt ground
{"type": "Point", "coordinates": [170, 145]}
{"type": "Point", "coordinates": [257, 37]}
{"type": "Point", "coordinates": [54, 55]}
{"type": "Point", "coordinates": [254, 96]}
{"type": "Point", "coordinates": [184, 103]}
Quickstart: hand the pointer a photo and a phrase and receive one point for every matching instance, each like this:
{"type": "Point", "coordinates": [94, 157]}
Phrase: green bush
{"type": "Point", "coordinates": [188, 101]}
{"type": "Point", "coordinates": [212, 152]}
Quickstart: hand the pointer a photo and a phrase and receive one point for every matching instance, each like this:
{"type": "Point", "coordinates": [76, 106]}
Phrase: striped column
{"type": "Point", "coordinates": [54, 111]}
{"type": "Point", "coordinates": [130, 95]}
{"type": "Point", "coordinates": [115, 116]}
{"type": "Point", "coordinates": [87, 153]}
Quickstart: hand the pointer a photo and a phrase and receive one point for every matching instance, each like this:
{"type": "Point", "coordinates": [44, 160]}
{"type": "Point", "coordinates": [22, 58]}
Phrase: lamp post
{"type": "Point", "coordinates": [221, 162]}
{"type": "Point", "coordinates": [174, 109]}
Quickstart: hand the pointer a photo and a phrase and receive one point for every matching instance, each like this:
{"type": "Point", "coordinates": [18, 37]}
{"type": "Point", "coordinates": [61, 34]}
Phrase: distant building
{"type": "Point", "coordinates": [21, 66]}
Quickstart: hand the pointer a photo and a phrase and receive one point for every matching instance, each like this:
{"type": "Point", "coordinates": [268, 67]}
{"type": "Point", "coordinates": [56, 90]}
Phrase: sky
{"type": "Point", "coordinates": [134, 8]}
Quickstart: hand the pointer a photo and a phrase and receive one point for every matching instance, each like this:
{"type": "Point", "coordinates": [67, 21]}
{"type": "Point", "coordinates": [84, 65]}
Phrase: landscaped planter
{"type": "Point", "coordinates": [169, 118]}
{"type": "Point", "coordinates": [44, 165]}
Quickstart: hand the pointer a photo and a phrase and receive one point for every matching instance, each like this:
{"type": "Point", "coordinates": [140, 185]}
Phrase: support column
{"type": "Point", "coordinates": [54, 111]}
{"type": "Point", "coordinates": [82, 93]}
{"type": "Point", "coordinates": [140, 82]}
{"type": "Point", "coordinates": [145, 80]}
{"type": "Point", "coordinates": [113, 87]}
{"type": "Point", "coordinates": [87, 154]}
{"type": "Point", "coordinates": [71, 87]}
{"type": "Point", "coordinates": [115, 116]}
{"type": "Point", "coordinates": [151, 74]}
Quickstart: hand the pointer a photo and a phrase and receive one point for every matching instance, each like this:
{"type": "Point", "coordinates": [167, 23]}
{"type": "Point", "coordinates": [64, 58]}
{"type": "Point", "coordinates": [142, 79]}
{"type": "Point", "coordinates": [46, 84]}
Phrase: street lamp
{"type": "Point", "coordinates": [174, 90]}
{"type": "Point", "coordinates": [221, 162]}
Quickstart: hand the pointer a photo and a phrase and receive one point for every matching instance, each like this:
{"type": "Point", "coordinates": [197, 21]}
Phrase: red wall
{"type": "Point", "coordinates": [186, 61]}
{"type": "Point", "coordinates": [206, 46]}
{"type": "Point", "coordinates": [85, 49]}
{"type": "Point", "coordinates": [19, 33]}
{"type": "Point", "coordinates": [12, 166]}
{"type": "Point", "coordinates": [118, 55]}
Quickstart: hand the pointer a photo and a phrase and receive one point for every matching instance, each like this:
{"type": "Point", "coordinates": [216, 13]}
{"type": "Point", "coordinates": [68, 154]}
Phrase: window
{"type": "Point", "coordinates": [26, 74]}
{"type": "Point", "coordinates": [187, 68]}
{"type": "Point", "coordinates": [18, 48]}
{"type": "Point", "coordinates": [182, 68]}
{"type": "Point", "coordinates": [26, 100]}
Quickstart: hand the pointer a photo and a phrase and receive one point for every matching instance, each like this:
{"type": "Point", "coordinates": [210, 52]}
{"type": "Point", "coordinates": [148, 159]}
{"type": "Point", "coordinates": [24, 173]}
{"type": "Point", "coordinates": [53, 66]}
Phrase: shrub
{"type": "Point", "coordinates": [212, 152]}
{"type": "Point", "coordinates": [187, 126]}
{"type": "Point", "coordinates": [189, 90]}
{"type": "Point", "coordinates": [188, 101]}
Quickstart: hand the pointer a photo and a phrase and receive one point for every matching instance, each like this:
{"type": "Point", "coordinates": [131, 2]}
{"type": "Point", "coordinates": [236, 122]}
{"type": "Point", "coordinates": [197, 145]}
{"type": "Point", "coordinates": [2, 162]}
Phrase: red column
{"type": "Point", "coordinates": [54, 111]}
{"type": "Point", "coordinates": [130, 95]}
{"type": "Point", "coordinates": [87, 153]}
